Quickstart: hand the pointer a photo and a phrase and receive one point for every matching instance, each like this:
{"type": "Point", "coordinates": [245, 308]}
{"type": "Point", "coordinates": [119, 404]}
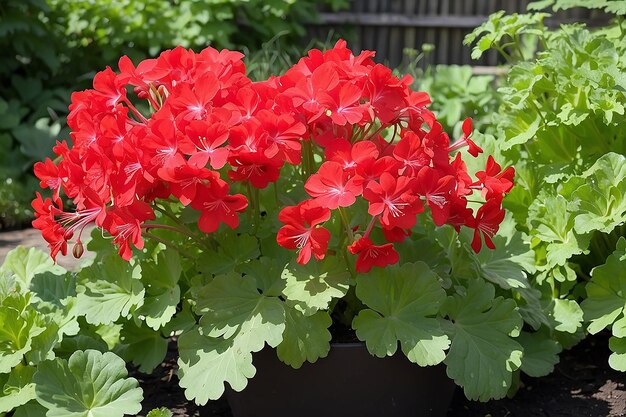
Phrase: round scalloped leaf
{"type": "Point", "coordinates": [404, 302]}
{"type": "Point", "coordinates": [233, 307]}
{"type": "Point", "coordinates": [482, 355]}
{"type": "Point", "coordinates": [306, 338]}
{"type": "Point", "coordinates": [160, 278]}
{"type": "Point", "coordinates": [207, 363]}
{"type": "Point", "coordinates": [541, 353]}
{"type": "Point", "coordinates": [313, 286]}
{"type": "Point", "coordinates": [24, 264]}
{"type": "Point", "coordinates": [143, 346]}
{"type": "Point", "coordinates": [108, 290]}
{"type": "Point", "coordinates": [89, 384]}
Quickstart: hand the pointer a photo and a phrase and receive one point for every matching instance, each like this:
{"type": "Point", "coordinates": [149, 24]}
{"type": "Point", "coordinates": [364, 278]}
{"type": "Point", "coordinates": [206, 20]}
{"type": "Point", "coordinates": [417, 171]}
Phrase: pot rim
{"type": "Point", "coordinates": [347, 345]}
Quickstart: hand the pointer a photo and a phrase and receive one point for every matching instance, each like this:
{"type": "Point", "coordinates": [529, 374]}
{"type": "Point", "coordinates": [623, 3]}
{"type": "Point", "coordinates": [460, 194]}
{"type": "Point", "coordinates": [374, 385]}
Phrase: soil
{"type": "Point", "coordinates": [582, 385]}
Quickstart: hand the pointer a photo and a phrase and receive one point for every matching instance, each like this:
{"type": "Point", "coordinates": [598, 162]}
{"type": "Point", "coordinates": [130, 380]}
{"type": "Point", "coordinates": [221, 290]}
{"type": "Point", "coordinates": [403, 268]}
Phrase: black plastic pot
{"type": "Point", "coordinates": [349, 382]}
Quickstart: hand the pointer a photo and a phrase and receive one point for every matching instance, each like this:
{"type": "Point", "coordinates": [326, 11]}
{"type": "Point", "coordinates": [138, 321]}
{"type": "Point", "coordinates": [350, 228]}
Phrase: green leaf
{"type": "Point", "coordinates": [617, 360]}
{"type": "Point", "coordinates": [38, 139]}
{"type": "Point", "coordinates": [109, 290]}
{"type": "Point", "coordinates": [566, 315]}
{"type": "Point", "coordinates": [233, 252]}
{"type": "Point", "coordinates": [43, 343]}
{"type": "Point", "coordinates": [160, 279]}
{"type": "Point", "coordinates": [81, 341]}
{"type": "Point", "coordinates": [24, 264]}
{"type": "Point", "coordinates": [540, 353]}
{"type": "Point", "coordinates": [404, 302]}
{"type": "Point", "coordinates": [232, 306]}
{"type": "Point", "coordinates": [183, 320]}
{"type": "Point", "coordinates": [207, 363]}
{"type": "Point", "coordinates": [89, 384]}
{"type": "Point", "coordinates": [31, 409]}
{"type": "Point", "coordinates": [18, 389]}
{"type": "Point", "coordinates": [313, 286]}
{"type": "Point", "coordinates": [606, 292]}
{"type": "Point", "coordinates": [55, 296]}
{"type": "Point", "coordinates": [550, 221]}
{"type": "Point", "coordinates": [306, 338]}
{"type": "Point", "coordinates": [601, 200]}
{"type": "Point", "coordinates": [267, 273]}
{"type": "Point", "coordinates": [503, 266]}
{"type": "Point", "coordinates": [530, 307]}
{"type": "Point", "coordinates": [519, 129]}
{"type": "Point", "coordinates": [160, 412]}
{"type": "Point", "coordinates": [20, 325]}
{"type": "Point", "coordinates": [143, 346]}
{"type": "Point", "coordinates": [482, 355]}
{"type": "Point", "coordinates": [27, 88]}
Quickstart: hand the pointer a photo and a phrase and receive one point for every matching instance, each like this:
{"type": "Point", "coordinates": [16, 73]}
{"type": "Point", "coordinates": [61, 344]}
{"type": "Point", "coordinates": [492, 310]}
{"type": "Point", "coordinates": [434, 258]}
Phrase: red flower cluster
{"type": "Point", "coordinates": [380, 143]}
{"type": "Point", "coordinates": [203, 125]}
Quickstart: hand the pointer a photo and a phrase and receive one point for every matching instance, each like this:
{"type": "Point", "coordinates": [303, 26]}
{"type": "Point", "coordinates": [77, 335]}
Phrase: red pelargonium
{"type": "Point", "coordinates": [362, 142]}
{"type": "Point", "coordinates": [300, 231]}
{"type": "Point", "coordinates": [370, 255]}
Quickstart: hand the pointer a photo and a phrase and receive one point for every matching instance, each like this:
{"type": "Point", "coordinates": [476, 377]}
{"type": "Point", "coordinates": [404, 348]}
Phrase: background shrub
{"type": "Point", "coordinates": [49, 48]}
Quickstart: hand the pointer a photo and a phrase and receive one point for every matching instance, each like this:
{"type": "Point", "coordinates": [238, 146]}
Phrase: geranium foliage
{"type": "Point", "coordinates": [251, 214]}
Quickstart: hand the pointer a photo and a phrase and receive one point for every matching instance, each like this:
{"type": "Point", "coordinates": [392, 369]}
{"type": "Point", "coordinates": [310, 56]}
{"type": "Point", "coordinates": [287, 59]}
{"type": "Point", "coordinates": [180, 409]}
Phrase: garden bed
{"type": "Point", "coordinates": [582, 385]}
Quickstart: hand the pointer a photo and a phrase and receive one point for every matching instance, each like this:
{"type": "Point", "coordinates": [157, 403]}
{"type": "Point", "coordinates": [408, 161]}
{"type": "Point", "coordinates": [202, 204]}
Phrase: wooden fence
{"type": "Point", "coordinates": [389, 26]}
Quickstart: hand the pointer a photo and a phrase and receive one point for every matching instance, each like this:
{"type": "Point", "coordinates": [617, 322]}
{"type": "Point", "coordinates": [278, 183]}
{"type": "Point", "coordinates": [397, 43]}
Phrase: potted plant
{"type": "Point", "coordinates": [266, 214]}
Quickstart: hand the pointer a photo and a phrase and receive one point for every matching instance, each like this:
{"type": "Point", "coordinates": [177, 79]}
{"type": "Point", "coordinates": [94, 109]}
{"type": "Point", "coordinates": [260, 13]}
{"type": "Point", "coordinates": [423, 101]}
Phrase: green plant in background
{"type": "Point", "coordinates": [29, 103]}
{"type": "Point", "coordinates": [455, 91]}
{"type": "Point", "coordinates": [50, 48]}
{"type": "Point", "coordinates": [562, 122]}
{"type": "Point", "coordinates": [131, 27]}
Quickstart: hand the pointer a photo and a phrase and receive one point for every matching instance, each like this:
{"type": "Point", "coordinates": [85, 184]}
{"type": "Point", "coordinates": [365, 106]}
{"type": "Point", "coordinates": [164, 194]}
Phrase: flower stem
{"type": "Point", "coordinates": [257, 211]}
{"type": "Point", "coordinates": [380, 129]}
{"type": "Point", "coordinates": [182, 227]}
{"type": "Point", "coordinates": [370, 226]}
{"type": "Point", "coordinates": [346, 224]}
{"type": "Point", "coordinates": [136, 112]}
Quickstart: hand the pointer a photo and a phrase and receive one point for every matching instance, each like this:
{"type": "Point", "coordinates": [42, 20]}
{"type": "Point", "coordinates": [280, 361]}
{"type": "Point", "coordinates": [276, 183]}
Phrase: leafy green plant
{"type": "Point", "coordinates": [49, 48]}
{"type": "Point", "coordinates": [47, 354]}
{"type": "Point", "coordinates": [457, 93]}
{"type": "Point", "coordinates": [293, 256]}
{"type": "Point", "coordinates": [561, 124]}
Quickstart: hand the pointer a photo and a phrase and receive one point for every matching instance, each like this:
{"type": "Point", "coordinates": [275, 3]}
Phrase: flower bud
{"type": "Point", "coordinates": [78, 250]}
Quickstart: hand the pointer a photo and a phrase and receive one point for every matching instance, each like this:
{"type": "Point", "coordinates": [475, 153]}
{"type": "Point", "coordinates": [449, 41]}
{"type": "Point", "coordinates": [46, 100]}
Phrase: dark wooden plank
{"type": "Point", "coordinates": [370, 34]}
{"type": "Point", "coordinates": [443, 35]}
{"type": "Point", "coordinates": [409, 33]}
{"type": "Point", "coordinates": [391, 19]}
{"type": "Point", "coordinates": [395, 43]}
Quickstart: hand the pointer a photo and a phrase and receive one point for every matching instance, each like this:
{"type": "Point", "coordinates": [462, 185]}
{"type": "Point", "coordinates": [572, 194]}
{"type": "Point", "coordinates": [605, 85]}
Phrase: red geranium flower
{"type": "Point", "coordinates": [217, 206]}
{"type": "Point", "coordinates": [300, 231]}
{"type": "Point", "coordinates": [394, 199]}
{"type": "Point", "coordinates": [370, 255]}
{"type": "Point", "coordinates": [494, 180]}
{"type": "Point", "coordinates": [487, 223]}
{"type": "Point", "coordinates": [332, 187]}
